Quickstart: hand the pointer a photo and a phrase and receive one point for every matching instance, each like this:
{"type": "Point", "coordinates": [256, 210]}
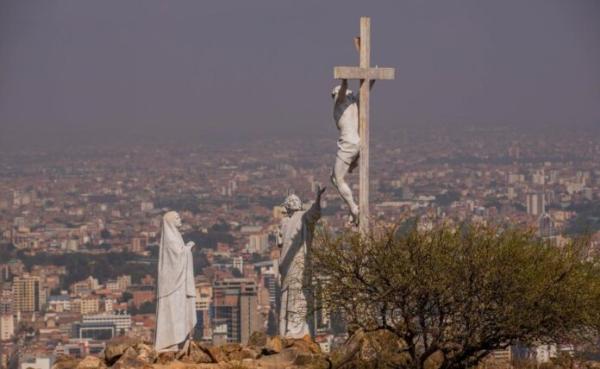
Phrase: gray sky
{"type": "Point", "coordinates": [72, 70]}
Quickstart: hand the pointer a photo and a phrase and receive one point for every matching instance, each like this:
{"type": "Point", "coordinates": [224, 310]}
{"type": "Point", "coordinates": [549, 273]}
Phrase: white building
{"type": "Point", "coordinates": [36, 363]}
{"type": "Point", "coordinates": [121, 321]}
{"type": "Point", "coordinates": [536, 204]}
{"type": "Point", "coordinates": [7, 327]}
{"type": "Point", "coordinates": [258, 243]}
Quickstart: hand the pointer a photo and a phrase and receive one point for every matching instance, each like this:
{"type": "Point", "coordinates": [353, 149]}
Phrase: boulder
{"type": "Point", "coordinates": [65, 362]}
{"type": "Point", "coordinates": [91, 362]}
{"type": "Point", "coordinates": [217, 353]}
{"type": "Point", "coordinates": [197, 354]}
{"type": "Point", "coordinates": [274, 345]}
{"type": "Point", "coordinates": [128, 362]}
{"type": "Point", "coordinates": [283, 359]}
{"type": "Point", "coordinates": [258, 339]}
{"type": "Point", "coordinates": [231, 347]}
{"type": "Point", "coordinates": [244, 353]}
{"type": "Point", "coordinates": [313, 361]}
{"type": "Point", "coordinates": [165, 357]}
{"type": "Point", "coordinates": [115, 348]}
{"type": "Point", "coordinates": [146, 353]}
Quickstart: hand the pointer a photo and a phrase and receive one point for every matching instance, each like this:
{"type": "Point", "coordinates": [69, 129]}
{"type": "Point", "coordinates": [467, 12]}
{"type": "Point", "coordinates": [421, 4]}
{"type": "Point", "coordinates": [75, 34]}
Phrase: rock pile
{"type": "Point", "coordinates": [260, 352]}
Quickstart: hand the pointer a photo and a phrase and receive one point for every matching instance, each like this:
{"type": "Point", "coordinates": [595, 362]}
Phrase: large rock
{"type": "Point", "coordinates": [181, 365]}
{"type": "Point", "coordinates": [197, 354]}
{"type": "Point", "coordinates": [131, 362]}
{"type": "Point", "coordinates": [146, 353]}
{"type": "Point", "coordinates": [283, 359]}
{"type": "Point", "coordinates": [274, 346]}
{"type": "Point", "coordinates": [166, 357]}
{"type": "Point", "coordinates": [304, 345]}
{"type": "Point", "coordinates": [244, 353]}
{"type": "Point", "coordinates": [226, 353]}
{"type": "Point", "coordinates": [115, 348]}
{"type": "Point", "coordinates": [258, 339]}
{"type": "Point", "coordinates": [65, 362]}
{"type": "Point", "coordinates": [91, 362]}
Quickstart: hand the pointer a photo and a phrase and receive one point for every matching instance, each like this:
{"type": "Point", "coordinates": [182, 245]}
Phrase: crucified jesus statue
{"type": "Point", "coordinates": [345, 114]}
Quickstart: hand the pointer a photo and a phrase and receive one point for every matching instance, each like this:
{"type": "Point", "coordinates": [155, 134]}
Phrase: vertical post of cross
{"type": "Point", "coordinates": [365, 61]}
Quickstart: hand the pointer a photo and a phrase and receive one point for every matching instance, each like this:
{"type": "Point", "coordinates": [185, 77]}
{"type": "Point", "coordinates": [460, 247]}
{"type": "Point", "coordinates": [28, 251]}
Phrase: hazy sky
{"type": "Point", "coordinates": [199, 69]}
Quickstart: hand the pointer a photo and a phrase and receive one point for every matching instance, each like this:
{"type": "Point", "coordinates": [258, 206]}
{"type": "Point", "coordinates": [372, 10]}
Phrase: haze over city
{"type": "Point", "coordinates": [74, 72]}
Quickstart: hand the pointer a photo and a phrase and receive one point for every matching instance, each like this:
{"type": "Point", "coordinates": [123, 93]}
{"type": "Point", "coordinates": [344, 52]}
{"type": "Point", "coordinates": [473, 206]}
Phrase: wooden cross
{"type": "Point", "coordinates": [365, 74]}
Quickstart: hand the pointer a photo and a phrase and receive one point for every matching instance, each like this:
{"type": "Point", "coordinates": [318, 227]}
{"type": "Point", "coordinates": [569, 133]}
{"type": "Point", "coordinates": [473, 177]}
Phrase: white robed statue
{"type": "Point", "coordinates": [295, 240]}
{"type": "Point", "coordinates": [176, 306]}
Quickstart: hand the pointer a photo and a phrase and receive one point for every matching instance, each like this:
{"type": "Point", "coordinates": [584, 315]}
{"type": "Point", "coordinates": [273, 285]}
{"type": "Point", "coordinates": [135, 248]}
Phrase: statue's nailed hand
{"type": "Point", "coordinates": [190, 244]}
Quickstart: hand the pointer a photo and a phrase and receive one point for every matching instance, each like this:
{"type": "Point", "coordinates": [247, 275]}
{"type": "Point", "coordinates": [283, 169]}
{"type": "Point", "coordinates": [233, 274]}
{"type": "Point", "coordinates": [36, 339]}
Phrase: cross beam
{"type": "Point", "coordinates": [365, 74]}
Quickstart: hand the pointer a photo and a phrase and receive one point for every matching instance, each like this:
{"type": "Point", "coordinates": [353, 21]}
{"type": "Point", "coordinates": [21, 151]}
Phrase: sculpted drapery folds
{"type": "Point", "coordinates": [295, 241]}
{"type": "Point", "coordinates": [176, 306]}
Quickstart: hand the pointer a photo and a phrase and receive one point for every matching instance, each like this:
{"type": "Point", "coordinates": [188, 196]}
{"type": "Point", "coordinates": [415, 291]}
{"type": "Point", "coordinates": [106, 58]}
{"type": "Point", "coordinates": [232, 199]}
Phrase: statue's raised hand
{"type": "Point", "coordinates": [190, 244]}
{"type": "Point", "coordinates": [320, 191]}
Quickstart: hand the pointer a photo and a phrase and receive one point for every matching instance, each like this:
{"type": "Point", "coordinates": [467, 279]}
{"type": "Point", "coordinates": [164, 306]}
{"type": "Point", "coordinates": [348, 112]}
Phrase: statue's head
{"type": "Point", "coordinates": [292, 203]}
{"type": "Point", "coordinates": [172, 217]}
{"type": "Point", "coordinates": [336, 91]}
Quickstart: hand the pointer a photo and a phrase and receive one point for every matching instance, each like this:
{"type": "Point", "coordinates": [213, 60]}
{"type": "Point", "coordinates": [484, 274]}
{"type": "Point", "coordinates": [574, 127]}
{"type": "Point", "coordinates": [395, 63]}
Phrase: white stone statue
{"type": "Point", "coordinates": [295, 241]}
{"type": "Point", "coordinates": [176, 306]}
{"type": "Point", "coordinates": [345, 114]}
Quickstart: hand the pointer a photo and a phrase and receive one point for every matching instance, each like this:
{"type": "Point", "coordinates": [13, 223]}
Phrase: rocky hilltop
{"type": "Point", "coordinates": [260, 352]}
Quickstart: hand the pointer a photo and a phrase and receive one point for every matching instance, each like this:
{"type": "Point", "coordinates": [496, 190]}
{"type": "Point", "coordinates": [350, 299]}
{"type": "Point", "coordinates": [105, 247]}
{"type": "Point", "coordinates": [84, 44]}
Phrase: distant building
{"type": "Point", "coordinates": [138, 244]}
{"type": "Point", "coordinates": [142, 295]}
{"type": "Point", "coordinates": [7, 327]}
{"type": "Point", "coordinates": [498, 359]}
{"type": "Point", "coordinates": [546, 228]}
{"type": "Point", "coordinates": [37, 362]}
{"type": "Point", "coordinates": [79, 348]}
{"type": "Point", "coordinates": [258, 243]}
{"type": "Point", "coordinates": [27, 294]}
{"type": "Point", "coordinates": [146, 206]}
{"type": "Point", "coordinates": [235, 303]}
{"type": "Point", "coordinates": [6, 300]}
{"type": "Point", "coordinates": [59, 303]}
{"type": "Point", "coordinates": [536, 204]}
{"type": "Point", "coordinates": [238, 263]}
{"type": "Point", "coordinates": [204, 294]}
{"type": "Point", "coordinates": [121, 322]}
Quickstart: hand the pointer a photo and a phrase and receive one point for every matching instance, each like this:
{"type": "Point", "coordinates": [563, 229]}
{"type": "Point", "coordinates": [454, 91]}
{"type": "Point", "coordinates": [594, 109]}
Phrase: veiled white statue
{"type": "Point", "coordinates": [295, 240]}
{"type": "Point", "coordinates": [176, 306]}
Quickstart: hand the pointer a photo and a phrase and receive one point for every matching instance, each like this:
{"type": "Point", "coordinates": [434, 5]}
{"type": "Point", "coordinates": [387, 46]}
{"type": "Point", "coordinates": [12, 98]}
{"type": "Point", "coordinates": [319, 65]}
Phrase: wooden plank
{"type": "Point", "coordinates": [365, 60]}
{"type": "Point", "coordinates": [363, 73]}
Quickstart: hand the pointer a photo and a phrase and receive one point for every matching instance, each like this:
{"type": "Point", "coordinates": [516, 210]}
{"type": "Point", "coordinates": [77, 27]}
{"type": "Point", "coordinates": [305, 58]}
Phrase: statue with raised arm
{"type": "Point", "coordinates": [295, 241]}
{"type": "Point", "coordinates": [176, 296]}
{"type": "Point", "coordinates": [345, 114]}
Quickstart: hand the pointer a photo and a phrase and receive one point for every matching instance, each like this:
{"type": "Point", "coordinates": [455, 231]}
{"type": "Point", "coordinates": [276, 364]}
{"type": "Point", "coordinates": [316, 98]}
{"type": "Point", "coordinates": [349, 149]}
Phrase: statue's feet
{"type": "Point", "coordinates": [354, 219]}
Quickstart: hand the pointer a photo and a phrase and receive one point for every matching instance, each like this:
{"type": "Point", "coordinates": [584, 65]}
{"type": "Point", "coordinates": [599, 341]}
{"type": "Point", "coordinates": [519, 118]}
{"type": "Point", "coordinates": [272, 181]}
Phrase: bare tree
{"type": "Point", "coordinates": [453, 294]}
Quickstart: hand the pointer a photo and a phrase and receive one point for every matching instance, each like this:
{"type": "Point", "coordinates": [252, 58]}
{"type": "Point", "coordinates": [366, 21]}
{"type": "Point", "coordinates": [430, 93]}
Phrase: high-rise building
{"type": "Point", "coordinates": [7, 327]}
{"type": "Point", "coordinates": [536, 203]}
{"type": "Point", "coordinates": [27, 294]}
{"type": "Point", "coordinates": [6, 300]}
{"type": "Point", "coordinates": [238, 263]}
{"type": "Point", "coordinates": [258, 243]}
{"type": "Point", "coordinates": [546, 226]}
{"type": "Point", "coordinates": [203, 302]}
{"type": "Point", "coordinates": [235, 303]}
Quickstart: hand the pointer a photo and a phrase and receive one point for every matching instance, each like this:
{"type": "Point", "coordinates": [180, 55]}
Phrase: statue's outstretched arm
{"type": "Point", "coordinates": [342, 92]}
{"type": "Point", "coordinates": [313, 214]}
